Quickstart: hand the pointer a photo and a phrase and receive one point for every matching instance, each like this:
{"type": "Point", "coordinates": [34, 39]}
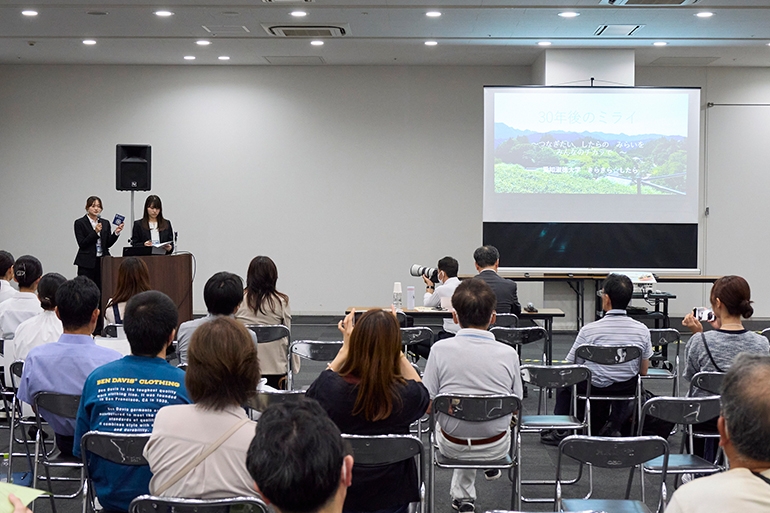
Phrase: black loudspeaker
{"type": "Point", "coordinates": [132, 167]}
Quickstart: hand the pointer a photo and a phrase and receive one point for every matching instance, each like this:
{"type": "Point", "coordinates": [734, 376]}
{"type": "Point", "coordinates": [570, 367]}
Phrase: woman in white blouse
{"type": "Point", "coordinates": [6, 275]}
{"type": "Point", "coordinates": [43, 328]}
{"type": "Point", "coordinates": [27, 271]}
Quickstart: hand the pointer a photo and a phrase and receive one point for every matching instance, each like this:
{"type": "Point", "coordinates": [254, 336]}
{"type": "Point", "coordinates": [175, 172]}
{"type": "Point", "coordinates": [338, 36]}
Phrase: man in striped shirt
{"type": "Point", "coordinates": [614, 329]}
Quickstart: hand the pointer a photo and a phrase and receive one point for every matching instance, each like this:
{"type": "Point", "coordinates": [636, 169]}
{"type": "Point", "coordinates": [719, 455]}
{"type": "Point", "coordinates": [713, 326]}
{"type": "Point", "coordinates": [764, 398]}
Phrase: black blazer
{"type": "Point", "coordinates": [140, 235]}
{"type": "Point", "coordinates": [505, 291]}
{"type": "Point", "coordinates": [87, 237]}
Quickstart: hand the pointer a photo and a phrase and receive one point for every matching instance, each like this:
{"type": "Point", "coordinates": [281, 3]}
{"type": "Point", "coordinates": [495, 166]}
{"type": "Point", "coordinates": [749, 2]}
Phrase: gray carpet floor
{"type": "Point", "coordinates": [538, 461]}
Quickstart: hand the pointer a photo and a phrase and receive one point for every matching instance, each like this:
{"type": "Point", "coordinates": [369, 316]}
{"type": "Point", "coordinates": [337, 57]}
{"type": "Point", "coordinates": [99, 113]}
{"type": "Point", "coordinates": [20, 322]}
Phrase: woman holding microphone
{"type": "Point", "coordinates": [153, 228]}
{"type": "Point", "coordinates": [94, 240]}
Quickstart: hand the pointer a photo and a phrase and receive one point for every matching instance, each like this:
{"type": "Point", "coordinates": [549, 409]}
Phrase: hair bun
{"type": "Point", "coordinates": [746, 309]}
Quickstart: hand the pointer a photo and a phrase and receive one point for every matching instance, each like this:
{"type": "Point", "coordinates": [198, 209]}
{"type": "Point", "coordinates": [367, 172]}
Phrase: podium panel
{"type": "Point", "coordinates": [170, 274]}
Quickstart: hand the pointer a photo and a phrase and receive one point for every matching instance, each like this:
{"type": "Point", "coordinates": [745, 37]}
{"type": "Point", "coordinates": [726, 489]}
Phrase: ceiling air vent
{"type": "Point", "coordinates": [307, 30]}
{"type": "Point", "coordinates": [647, 2]}
{"type": "Point", "coordinates": [616, 30]}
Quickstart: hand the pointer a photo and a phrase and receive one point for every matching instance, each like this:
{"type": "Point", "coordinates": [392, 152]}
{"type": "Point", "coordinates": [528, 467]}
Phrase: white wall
{"type": "Point", "coordinates": [343, 175]}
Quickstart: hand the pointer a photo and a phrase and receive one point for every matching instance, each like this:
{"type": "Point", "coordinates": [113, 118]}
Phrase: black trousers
{"type": "Point", "coordinates": [602, 412]}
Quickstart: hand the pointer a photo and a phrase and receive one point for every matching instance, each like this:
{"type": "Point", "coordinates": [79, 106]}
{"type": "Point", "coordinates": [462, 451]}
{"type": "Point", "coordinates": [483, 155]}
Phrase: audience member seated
{"type": "Point", "coordinates": [487, 260]}
{"type": "Point", "coordinates": [133, 278]}
{"type": "Point", "coordinates": [371, 389]}
{"type": "Point", "coordinates": [472, 362]}
{"type": "Point", "coordinates": [124, 396]}
{"type": "Point", "coordinates": [62, 367]}
{"type": "Point", "coordinates": [222, 374]}
{"type": "Point", "coordinates": [263, 304]}
{"type": "Point", "coordinates": [222, 294]}
{"type": "Point", "coordinates": [298, 460]}
{"type": "Point", "coordinates": [744, 434]}
{"type": "Point", "coordinates": [614, 329]}
{"type": "Point", "coordinates": [434, 295]}
{"type": "Point", "coordinates": [27, 271]}
{"type": "Point", "coordinates": [715, 350]}
{"type": "Point", "coordinates": [6, 275]}
{"type": "Point", "coordinates": [44, 327]}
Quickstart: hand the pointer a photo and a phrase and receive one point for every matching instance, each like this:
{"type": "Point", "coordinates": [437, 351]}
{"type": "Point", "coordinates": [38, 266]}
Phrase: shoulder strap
{"type": "Point", "coordinates": [763, 478]}
{"type": "Point", "coordinates": [116, 313]}
{"type": "Point", "coordinates": [708, 351]}
{"type": "Point", "coordinates": [202, 456]}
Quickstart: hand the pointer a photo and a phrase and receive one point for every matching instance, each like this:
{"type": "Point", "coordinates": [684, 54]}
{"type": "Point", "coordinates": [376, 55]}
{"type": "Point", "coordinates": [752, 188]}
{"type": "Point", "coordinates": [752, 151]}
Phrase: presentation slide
{"type": "Point", "coordinates": [591, 154]}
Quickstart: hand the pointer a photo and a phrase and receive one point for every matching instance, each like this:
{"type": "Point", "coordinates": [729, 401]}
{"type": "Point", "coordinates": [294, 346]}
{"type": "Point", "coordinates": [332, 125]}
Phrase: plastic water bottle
{"type": "Point", "coordinates": [4, 469]}
{"type": "Point", "coordinates": [397, 299]}
{"type": "Point", "coordinates": [410, 298]}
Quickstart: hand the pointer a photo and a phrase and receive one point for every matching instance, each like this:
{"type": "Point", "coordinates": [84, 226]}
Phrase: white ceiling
{"type": "Point", "coordinates": [381, 32]}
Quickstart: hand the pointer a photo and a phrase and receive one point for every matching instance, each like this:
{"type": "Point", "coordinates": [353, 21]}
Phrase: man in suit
{"type": "Point", "coordinates": [487, 259]}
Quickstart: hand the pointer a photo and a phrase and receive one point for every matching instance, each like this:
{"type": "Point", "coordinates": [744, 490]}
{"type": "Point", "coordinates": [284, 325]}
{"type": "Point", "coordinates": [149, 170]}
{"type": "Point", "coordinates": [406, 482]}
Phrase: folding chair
{"type": "Point", "coordinates": [269, 332]}
{"type": "Point", "coordinates": [182, 366]}
{"type": "Point", "coordinates": [611, 453]}
{"type": "Point", "coordinates": [18, 419]}
{"type": "Point", "coordinates": [507, 320]}
{"type": "Point", "coordinates": [685, 411]}
{"type": "Point", "coordinates": [518, 337]}
{"type": "Point", "coordinates": [61, 405]}
{"type": "Point", "coordinates": [112, 330]}
{"type": "Point", "coordinates": [388, 449]}
{"type": "Point", "coordinates": [264, 399]}
{"type": "Point", "coordinates": [315, 350]}
{"type": "Point", "coordinates": [612, 355]}
{"type": "Point", "coordinates": [120, 448]}
{"type": "Point", "coordinates": [416, 335]}
{"type": "Point", "coordinates": [663, 338]}
{"type": "Point", "coordinates": [548, 378]}
{"type": "Point", "coordinates": [474, 408]}
{"type": "Point", "coordinates": [150, 504]}
{"type": "Point", "coordinates": [710, 382]}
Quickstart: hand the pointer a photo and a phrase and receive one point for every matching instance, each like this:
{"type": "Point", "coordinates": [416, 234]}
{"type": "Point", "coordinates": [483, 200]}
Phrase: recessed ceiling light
{"type": "Point", "coordinates": [659, 43]}
{"type": "Point", "coordinates": [569, 14]}
{"type": "Point", "coordinates": [704, 14]}
{"type": "Point", "coordinates": [317, 42]}
{"type": "Point", "coordinates": [298, 14]}
{"type": "Point", "coordinates": [89, 42]}
{"type": "Point", "coordinates": [189, 57]}
{"type": "Point", "coordinates": [164, 14]}
{"type": "Point", "coordinates": [544, 43]}
{"type": "Point", "coordinates": [431, 43]}
{"type": "Point", "coordinates": [203, 42]}
{"type": "Point", "coordinates": [224, 58]}
{"type": "Point", "coordinates": [29, 12]}
{"type": "Point", "coordinates": [432, 14]}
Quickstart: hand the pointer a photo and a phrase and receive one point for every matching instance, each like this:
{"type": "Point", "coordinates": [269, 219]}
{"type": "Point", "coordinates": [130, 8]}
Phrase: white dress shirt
{"type": "Point", "coordinates": [446, 289]}
{"type": "Point", "coordinates": [16, 310]}
{"type": "Point", "coordinates": [6, 290]}
{"type": "Point", "coordinates": [36, 331]}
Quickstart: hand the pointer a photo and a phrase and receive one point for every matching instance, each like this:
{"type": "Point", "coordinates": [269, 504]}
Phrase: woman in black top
{"type": "Point", "coordinates": [153, 227]}
{"type": "Point", "coordinates": [371, 389]}
{"type": "Point", "coordinates": [94, 240]}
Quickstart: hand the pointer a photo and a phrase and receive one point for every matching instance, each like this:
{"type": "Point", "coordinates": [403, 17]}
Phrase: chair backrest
{"type": "Point", "coordinates": [711, 382]}
{"type": "Point", "coordinates": [518, 336]}
{"type": "Point", "coordinates": [150, 504]}
{"type": "Point", "coordinates": [61, 405]}
{"type": "Point", "coordinates": [559, 376]}
{"type": "Point", "coordinates": [681, 410]}
{"type": "Point", "coordinates": [269, 332]}
{"type": "Point", "coordinates": [316, 350]}
{"type": "Point", "coordinates": [384, 449]}
{"type": "Point", "coordinates": [111, 330]}
{"type": "Point", "coordinates": [507, 320]}
{"type": "Point", "coordinates": [16, 368]}
{"type": "Point", "coordinates": [613, 452]}
{"type": "Point", "coordinates": [766, 333]}
{"type": "Point", "coordinates": [264, 399]}
{"type": "Point", "coordinates": [182, 366]}
{"type": "Point", "coordinates": [475, 408]}
{"type": "Point", "coordinates": [416, 335]}
{"type": "Point", "coordinates": [608, 355]}
{"type": "Point", "coordinates": [664, 336]}
{"type": "Point", "coordinates": [120, 448]}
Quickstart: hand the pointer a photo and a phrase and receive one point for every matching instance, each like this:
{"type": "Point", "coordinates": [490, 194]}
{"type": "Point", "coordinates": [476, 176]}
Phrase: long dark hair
{"type": "Point", "coordinates": [153, 201]}
{"type": "Point", "coordinates": [375, 351]}
{"type": "Point", "coordinates": [260, 285]}
{"type": "Point", "coordinates": [133, 278]}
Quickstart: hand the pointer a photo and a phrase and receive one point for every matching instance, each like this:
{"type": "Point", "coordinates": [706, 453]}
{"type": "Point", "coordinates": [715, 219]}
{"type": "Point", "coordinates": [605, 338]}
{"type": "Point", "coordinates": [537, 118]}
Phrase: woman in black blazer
{"type": "Point", "coordinates": [153, 223]}
{"type": "Point", "coordinates": [94, 240]}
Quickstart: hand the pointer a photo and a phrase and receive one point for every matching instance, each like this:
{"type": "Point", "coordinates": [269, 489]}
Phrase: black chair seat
{"type": "Point", "coordinates": [539, 422]}
{"type": "Point", "coordinates": [606, 506]}
{"type": "Point", "coordinates": [444, 462]}
{"type": "Point", "coordinates": [681, 464]}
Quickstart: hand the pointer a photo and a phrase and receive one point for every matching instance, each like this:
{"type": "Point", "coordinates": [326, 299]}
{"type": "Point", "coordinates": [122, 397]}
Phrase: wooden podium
{"type": "Point", "coordinates": [170, 274]}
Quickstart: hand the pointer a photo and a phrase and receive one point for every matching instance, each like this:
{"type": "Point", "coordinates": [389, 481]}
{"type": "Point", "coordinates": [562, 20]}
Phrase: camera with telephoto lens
{"type": "Point", "coordinates": [422, 270]}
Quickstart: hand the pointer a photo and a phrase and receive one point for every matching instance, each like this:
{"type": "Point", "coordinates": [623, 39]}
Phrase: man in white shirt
{"type": "Point", "coordinates": [27, 271]}
{"type": "Point", "coordinates": [6, 275]}
{"type": "Point", "coordinates": [440, 295]}
{"type": "Point", "coordinates": [744, 434]}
